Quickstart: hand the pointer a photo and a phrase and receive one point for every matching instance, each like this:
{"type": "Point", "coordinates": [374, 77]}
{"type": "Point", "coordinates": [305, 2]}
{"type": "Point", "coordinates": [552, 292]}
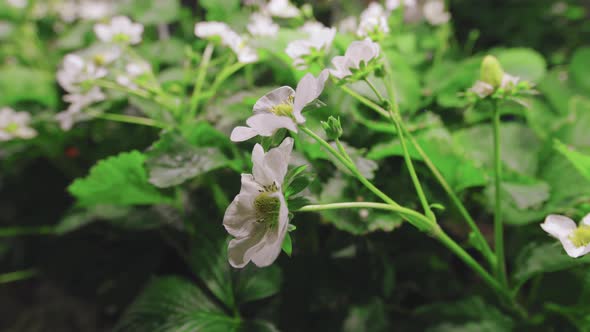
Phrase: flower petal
{"type": "Point", "coordinates": [572, 250]}
{"type": "Point", "coordinates": [273, 238]}
{"type": "Point", "coordinates": [275, 97]}
{"type": "Point", "coordinates": [259, 170]}
{"type": "Point", "coordinates": [308, 89]}
{"type": "Point", "coordinates": [276, 161]}
{"type": "Point", "coordinates": [267, 124]}
{"type": "Point", "coordinates": [241, 250]}
{"type": "Point", "coordinates": [558, 226]}
{"type": "Point", "coordinates": [586, 220]}
{"type": "Point", "coordinates": [240, 134]}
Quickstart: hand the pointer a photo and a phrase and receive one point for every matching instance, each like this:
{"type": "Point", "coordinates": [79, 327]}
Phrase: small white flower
{"type": "Point", "coordinates": [320, 39]}
{"type": "Point", "coordinates": [15, 125]}
{"type": "Point", "coordinates": [229, 38]}
{"type": "Point", "coordinates": [78, 102]}
{"type": "Point", "coordinates": [509, 81]}
{"type": "Point", "coordinates": [482, 89]}
{"type": "Point", "coordinates": [356, 53]}
{"type": "Point", "coordinates": [95, 9]}
{"type": "Point", "coordinates": [262, 25]}
{"type": "Point", "coordinates": [435, 13]}
{"type": "Point", "coordinates": [348, 25]}
{"type": "Point", "coordinates": [281, 8]}
{"type": "Point", "coordinates": [373, 20]}
{"type": "Point", "coordinates": [258, 217]}
{"type": "Point", "coordinates": [75, 71]}
{"type": "Point", "coordinates": [281, 108]}
{"type": "Point", "coordinates": [392, 5]}
{"type": "Point", "coordinates": [18, 3]}
{"type": "Point", "coordinates": [120, 29]}
{"type": "Point", "coordinates": [132, 71]}
{"type": "Point", "coordinates": [575, 240]}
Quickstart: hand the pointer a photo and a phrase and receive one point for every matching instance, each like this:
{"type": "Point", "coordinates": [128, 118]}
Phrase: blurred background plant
{"type": "Point", "coordinates": [136, 241]}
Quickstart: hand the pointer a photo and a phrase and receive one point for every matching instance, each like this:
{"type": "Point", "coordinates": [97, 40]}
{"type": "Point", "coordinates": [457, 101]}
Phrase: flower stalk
{"type": "Point", "coordinates": [498, 222]}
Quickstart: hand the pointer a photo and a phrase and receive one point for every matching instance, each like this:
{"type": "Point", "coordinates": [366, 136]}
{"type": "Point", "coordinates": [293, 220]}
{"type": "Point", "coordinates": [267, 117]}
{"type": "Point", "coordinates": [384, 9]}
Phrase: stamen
{"type": "Point", "coordinates": [581, 236]}
{"type": "Point", "coordinates": [267, 209]}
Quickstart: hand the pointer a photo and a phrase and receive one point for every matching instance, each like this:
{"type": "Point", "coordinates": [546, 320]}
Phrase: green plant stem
{"type": "Point", "coordinates": [17, 275]}
{"type": "Point", "coordinates": [375, 91]}
{"type": "Point", "coordinates": [221, 77]}
{"type": "Point", "coordinates": [201, 75]}
{"type": "Point", "coordinates": [486, 250]}
{"type": "Point", "coordinates": [351, 167]}
{"type": "Point", "coordinates": [130, 119]}
{"type": "Point", "coordinates": [24, 230]}
{"type": "Point", "coordinates": [483, 243]}
{"type": "Point", "coordinates": [498, 225]}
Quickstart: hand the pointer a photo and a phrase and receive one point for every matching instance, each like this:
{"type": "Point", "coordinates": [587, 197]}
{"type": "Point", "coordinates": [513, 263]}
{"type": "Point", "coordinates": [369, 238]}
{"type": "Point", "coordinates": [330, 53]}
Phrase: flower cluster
{"type": "Point", "coordinates": [306, 51]}
{"type": "Point", "coordinates": [229, 38]}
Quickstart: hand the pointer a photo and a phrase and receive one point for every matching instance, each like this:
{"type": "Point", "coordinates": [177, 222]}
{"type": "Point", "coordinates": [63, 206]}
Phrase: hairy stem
{"type": "Point", "coordinates": [202, 73]}
{"type": "Point", "coordinates": [498, 224]}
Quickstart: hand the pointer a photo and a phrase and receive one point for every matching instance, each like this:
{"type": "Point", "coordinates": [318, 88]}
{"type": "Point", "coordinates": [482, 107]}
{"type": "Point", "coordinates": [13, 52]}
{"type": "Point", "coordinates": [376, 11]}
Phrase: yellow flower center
{"type": "Point", "coordinates": [267, 209]}
{"type": "Point", "coordinates": [284, 109]}
{"type": "Point", "coordinates": [99, 59]}
{"type": "Point", "coordinates": [121, 37]}
{"type": "Point", "coordinates": [11, 128]}
{"type": "Point", "coordinates": [581, 236]}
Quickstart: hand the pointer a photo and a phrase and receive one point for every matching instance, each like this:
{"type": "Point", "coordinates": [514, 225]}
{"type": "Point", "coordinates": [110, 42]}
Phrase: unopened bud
{"type": "Point", "coordinates": [491, 71]}
{"type": "Point", "coordinates": [333, 128]}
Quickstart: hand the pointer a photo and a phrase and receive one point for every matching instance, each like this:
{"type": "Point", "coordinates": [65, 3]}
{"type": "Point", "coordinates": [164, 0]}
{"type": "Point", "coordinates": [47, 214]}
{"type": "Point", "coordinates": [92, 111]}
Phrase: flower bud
{"type": "Point", "coordinates": [491, 71]}
{"type": "Point", "coordinates": [333, 128]}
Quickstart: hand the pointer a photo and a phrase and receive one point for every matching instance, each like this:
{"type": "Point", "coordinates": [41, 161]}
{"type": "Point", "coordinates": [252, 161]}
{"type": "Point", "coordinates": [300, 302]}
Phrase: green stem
{"type": "Point", "coordinates": [221, 77]}
{"type": "Point", "coordinates": [202, 73]}
{"type": "Point", "coordinates": [486, 250]}
{"type": "Point", "coordinates": [130, 119]}
{"type": "Point", "coordinates": [498, 225]}
{"type": "Point", "coordinates": [375, 91]}
{"type": "Point", "coordinates": [23, 230]}
{"type": "Point", "coordinates": [17, 275]}
{"type": "Point", "coordinates": [351, 167]}
{"type": "Point", "coordinates": [483, 243]}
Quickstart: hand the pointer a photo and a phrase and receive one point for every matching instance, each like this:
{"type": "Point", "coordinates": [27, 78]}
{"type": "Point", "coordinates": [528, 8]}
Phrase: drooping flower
{"type": "Point", "coordinates": [281, 108]}
{"type": "Point", "coordinates": [435, 13]}
{"type": "Point", "coordinates": [120, 29]}
{"type": "Point", "coordinates": [258, 217]}
{"type": "Point", "coordinates": [373, 21]}
{"type": "Point", "coordinates": [358, 52]}
{"type": "Point", "coordinates": [262, 25]}
{"type": "Point", "coordinates": [320, 38]}
{"type": "Point", "coordinates": [281, 8]}
{"type": "Point", "coordinates": [229, 38]}
{"type": "Point", "coordinates": [575, 239]}
{"type": "Point", "coordinates": [15, 125]}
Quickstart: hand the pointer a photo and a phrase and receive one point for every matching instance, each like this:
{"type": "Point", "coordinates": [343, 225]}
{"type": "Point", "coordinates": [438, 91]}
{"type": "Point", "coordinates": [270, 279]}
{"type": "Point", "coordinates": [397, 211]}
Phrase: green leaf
{"type": "Point", "coordinates": [298, 185]}
{"type": "Point", "coordinates": [253, 283]}
{"type": "Point", "coordinates": [522, 62]}
{"type": "Point", "coordinates": [557, 87]}
{"type": "Point", "coordinates": [152, 12]}
{"type": "Point", "coordinates": [522, 203]}
{"type": "Point", "coordinates": [293, 173]}
{"type": "Point", "coordinates": [118, 180]}
{"type": "Point", "coordinates": [287, 245]}
{"type": "Point", "coordinates": [295, 203]}
{"type": "Point", "coordinates": [208, 261]}
{"type": "Point", "coordinates": [579, 69]}
{"type": "Point", "coordinates": [173, 304]}
{"type": "Point", "coordinates": [580, 161]}
{"type": "Point", "coordinates": [459, 171]}
{"type": "Point", "coordinates": [20, 84]}
{"type": "Point", "coordinates": [173, 160]}
{"type": "Point", "coordinates": [447, 80]}
{"type": "Point", "coordinates": [220, 9]}
{"type": "Point", "coordinates": [537, 258]}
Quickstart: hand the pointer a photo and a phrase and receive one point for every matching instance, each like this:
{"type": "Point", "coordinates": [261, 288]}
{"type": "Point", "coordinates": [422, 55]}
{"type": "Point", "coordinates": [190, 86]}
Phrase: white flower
{"type": "Point", "coordinates": [320, 39]}
{"type": "Point", "coordinates": [356, 53]}
{"type": "Point", "coordinates": [482, 89]}
{"type": "Point", "coordinates": [348, 25]}
{"type": "Point", "coordinates": [392, 5]}
{"type": "Point", "coordinates": [509, 81]}
{"type": "Point", "coordinates": [95, 9]}
{"type": "Point", "coordinates": [132, 71]}
{"type": "Point", "coordinates": [229, 38]}
{"type": "Point", "coordinates": [120, 29]}
{"type": "Point", "coordinates": [434, 12]}
{"type": "Point", "coordinates": [262, 25]}
{"type": "Point", "coordinates": [18, 3]}
{"type": "Point", "coordinates": [78, 102]}
{"type": "Point", "coordinates": [75, 71]}
{"type": "Point", "coordinates": [15, 125]}
{"type": "Point", "coordinates": [281, 8]}
{"type": "Point", "coordinates": [575, 240]}
{"type": "Point", "coordinates": [281, 108]}
{"type": "Point", "coordinates": [258, 217]}
{"type": "Point", "coordinates": [373, 20]}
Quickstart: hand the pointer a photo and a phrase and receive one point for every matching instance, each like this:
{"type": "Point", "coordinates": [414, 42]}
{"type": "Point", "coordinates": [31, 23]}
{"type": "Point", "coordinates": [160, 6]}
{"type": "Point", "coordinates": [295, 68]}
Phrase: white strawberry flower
{"type": "Point", "coordinates": [509, 81]}
{"type": "Point", "coordinates": [356, 53]}
{"type": "Point", "coordinates": [575, 239]}
{"type": "Point", "coordinates": [281, 108]}
{"type": "Point", "coordinates": [320, 38]}
{"type": "Point", "coordinates": [435, 13]}
{"type": "Point", "coordinates": [373, 21]}
{"type": "Point", "coordinates": [120, 29]}
{"type": "Point", "coordinates": [258, 217]}
{"type": "Point", "coordinates": [15, 125]}
{"type": "Point", "coordinates": [482, 89]}
{"type": "Point", "coordinates": [75, 71]}
{"type": "Point", "coordinates": [229, 38]}
{"type": "Point", "coordinates": [281, 8]}
{"type": "Point", "coordinates": [132, 71]}
{"type": "Point", "coordinates": [78, 102]}
{"type": "Point", "coordinates": [262, 25]}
